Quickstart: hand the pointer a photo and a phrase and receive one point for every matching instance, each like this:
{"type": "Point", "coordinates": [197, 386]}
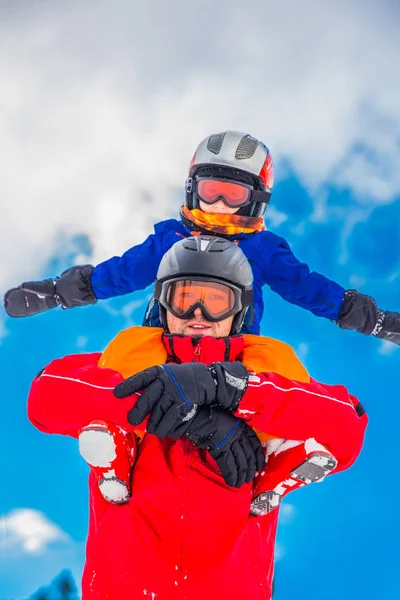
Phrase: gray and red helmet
{"type": "Point", "coordinates": [236, 156]}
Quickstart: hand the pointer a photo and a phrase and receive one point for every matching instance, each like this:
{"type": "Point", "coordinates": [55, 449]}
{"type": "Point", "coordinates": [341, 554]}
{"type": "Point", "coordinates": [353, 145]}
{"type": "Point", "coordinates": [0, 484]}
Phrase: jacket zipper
{"type": "Point", "coordinates": [196, 353]}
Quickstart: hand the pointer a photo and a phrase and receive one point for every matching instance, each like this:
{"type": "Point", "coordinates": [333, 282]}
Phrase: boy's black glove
{"type": "Point", "coordinates": [230, 441]}
{"type": "Point", "coordinates": [361, 313]}
{"type": "Point", "coordinates": [72, 289]}
{"type": "Point", "coordinates": [173, 392]}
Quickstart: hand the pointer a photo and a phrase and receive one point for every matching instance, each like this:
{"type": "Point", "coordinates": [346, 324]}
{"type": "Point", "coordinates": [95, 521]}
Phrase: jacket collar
{"type": "Point", "coordinates": [183, 348]}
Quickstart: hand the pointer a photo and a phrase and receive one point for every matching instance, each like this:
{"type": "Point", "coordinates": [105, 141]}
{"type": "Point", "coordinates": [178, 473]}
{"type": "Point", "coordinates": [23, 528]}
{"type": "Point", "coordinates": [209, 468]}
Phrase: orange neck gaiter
{"type": "Point", "coordinates": [223, 224]}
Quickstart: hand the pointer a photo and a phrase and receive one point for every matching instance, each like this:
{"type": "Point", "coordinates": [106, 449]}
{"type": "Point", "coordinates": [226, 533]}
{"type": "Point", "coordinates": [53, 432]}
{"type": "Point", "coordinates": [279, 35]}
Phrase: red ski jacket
{"type": "Point", "coordinates": [185, 534]}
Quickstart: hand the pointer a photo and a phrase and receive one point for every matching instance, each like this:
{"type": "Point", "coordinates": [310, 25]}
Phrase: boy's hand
{"type": "Point", "coordinates": [73, 288]}
{"type": "Point", "coordinates": [30, 298]}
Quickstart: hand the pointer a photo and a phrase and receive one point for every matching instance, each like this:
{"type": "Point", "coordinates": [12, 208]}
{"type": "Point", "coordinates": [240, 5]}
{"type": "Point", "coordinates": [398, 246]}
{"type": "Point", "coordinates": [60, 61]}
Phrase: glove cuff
{"type": "Point", "coordinates": [358, 312]}
{"type": "Point", "coordinates": [388, 327]}
{"type": "Point", "coordinates": [231, 379]}
{"type": "Point", "coordinates": [74, 287]}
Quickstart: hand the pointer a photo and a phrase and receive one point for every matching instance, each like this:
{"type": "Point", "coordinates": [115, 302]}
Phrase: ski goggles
{"type": "Point", "coordinates": [232, 193]}
{"type": "Point", "coordinates": [216, 300]}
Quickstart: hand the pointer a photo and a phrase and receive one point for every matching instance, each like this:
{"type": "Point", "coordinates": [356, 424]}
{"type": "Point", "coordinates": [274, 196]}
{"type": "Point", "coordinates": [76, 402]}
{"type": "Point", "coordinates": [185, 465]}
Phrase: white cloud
{"type": "Point", "coordinates": [101, 108]}
{"type": "Point", "coordinates": [279, 551]}
{"type": "Point", "coordinates": [3, 330]}
{"type": "Point", "coordinates": [357, 281]}
{"type": "Point", "coordinates": [387, 348]}
{"type": "Point", "coordinates": [29, 531]}
{"type": "Point", "coordinates": [81, 341]}
{"type": "Point", "coordinates": [302, 351]}
{"type": "Point", "coordinates": [275, 217]}
{"type": "Point", "coordinates": [286, 513]}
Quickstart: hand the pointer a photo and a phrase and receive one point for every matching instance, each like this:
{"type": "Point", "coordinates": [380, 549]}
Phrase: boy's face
{"type": "Point", "coordinates": [218, 208]}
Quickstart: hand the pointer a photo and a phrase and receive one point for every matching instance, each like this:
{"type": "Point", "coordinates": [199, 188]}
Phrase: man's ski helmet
{"type": "Point", "coordinates": [210, 259]}
{"type": "Point", "coordinates": [236, 156]}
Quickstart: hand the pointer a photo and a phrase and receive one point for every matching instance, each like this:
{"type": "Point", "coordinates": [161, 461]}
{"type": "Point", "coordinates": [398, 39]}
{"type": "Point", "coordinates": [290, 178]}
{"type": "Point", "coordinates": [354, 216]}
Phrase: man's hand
{"type": "Point", "coordinates": [178, 399]}
{"type": "Point", "coordinates": [231, 379]}
{"type": "Point", "coordinates": [173, 392]}
{"type": "Point", "coordinates": [172, 395]}
{"type": "Point", "coordinates": [231, 442]}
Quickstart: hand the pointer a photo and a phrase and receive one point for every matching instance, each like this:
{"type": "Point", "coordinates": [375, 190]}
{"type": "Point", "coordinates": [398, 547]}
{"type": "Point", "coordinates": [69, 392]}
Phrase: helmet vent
{"type": "Point", "coordinates": [214, 143]}
{"type": "Point", "coordinates": [246, 148]}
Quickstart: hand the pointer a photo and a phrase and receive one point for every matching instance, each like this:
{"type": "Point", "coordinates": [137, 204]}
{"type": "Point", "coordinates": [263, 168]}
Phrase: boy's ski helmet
{"type": "Point", "coordinates": [236, 156]}
{"type": "Point", "coordinates": [211, 259]}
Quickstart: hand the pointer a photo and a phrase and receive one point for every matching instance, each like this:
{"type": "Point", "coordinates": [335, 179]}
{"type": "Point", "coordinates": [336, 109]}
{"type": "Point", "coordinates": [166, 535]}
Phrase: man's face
{"type": "Point", "coordinates": [197, 326]}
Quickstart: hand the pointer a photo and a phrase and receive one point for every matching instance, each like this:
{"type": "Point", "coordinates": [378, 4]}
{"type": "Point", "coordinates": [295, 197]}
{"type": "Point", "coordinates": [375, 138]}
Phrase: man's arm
{"type": "Point", "coordinates": [298, 411]}
{"type": "Point", "coordinates": [72, 391]}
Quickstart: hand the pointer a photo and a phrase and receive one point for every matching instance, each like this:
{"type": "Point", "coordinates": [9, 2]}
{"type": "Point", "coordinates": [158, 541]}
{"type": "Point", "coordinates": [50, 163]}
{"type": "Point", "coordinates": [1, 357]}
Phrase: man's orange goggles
{"type": "Point", "coordinates": [217, 301]}
{"type": "Point", "coordinates": [232, 193]}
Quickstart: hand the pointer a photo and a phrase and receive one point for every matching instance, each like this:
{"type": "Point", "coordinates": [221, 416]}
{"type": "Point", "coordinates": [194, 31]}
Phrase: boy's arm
{"type": "Point", "coordinates": [137, 267]}
{"type": "Point", "coordinates": [82, 285]}
{"type": "Point", "coordinates": [72, 391]}
{"type": "Point", "coordinates": [294, 281]}
{"type": "Point", "coordinates": [292, 410]}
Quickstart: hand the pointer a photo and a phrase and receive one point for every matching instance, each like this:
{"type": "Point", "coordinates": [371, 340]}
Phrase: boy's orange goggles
{"type": "Point", "coordinates": [216, 300]}
{"type": "Point", "coordinates": [232, 193]}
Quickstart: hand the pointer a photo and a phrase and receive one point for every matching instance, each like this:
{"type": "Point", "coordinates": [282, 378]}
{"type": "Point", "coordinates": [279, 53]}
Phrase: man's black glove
{"type": "Point", "coordinates": [72, 289]}
{"type": "Point", "coordinates": [173, 392]}
{"type": "Point", "coordinates": [361, 313]}
{"type": "Point", "coordinates": [230, 441]}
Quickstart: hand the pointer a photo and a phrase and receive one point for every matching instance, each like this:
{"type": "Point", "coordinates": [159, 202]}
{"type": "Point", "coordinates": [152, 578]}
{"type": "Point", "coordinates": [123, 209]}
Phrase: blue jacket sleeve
{"type": "Point", "coordinates": [136, 268]}
{"type": "Point", "coordinates": [294, 281]}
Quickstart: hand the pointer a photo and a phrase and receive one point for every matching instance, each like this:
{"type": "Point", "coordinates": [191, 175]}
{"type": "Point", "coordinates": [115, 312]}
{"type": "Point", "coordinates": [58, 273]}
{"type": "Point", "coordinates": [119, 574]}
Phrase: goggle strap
{"type": "Point", "coordinates": [260, 196]}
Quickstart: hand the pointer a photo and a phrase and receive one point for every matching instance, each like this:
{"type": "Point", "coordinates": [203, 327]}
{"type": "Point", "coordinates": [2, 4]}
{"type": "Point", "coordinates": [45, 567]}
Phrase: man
{"type": "Point", "coordinates": [189, 530]}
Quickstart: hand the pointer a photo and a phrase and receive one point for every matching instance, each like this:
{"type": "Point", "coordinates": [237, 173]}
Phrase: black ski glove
{"type": "Point", "coordinates": [72, 289]}
{"type": "Point", "coordinates": [361, 313]}
{"type": "Point", "coordinates": [230, 441]}
{"type": "Point", "coordinates": [173, 392]}
{"type": "Point", "coordinates": [390, 329]}
{"type": "Point", "coordinates": [231, 379]}
{"type": "Point", "coordinates": [19, 302]}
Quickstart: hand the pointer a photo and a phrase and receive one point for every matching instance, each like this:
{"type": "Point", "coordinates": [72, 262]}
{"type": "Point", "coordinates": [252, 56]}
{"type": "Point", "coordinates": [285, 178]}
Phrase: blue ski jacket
{"type": "Point", "coordinates": [272, 261]}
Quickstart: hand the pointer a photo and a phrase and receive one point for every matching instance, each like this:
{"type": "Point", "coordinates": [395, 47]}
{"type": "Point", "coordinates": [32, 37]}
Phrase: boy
{"type": "Point", "coordinates": [227, 191]}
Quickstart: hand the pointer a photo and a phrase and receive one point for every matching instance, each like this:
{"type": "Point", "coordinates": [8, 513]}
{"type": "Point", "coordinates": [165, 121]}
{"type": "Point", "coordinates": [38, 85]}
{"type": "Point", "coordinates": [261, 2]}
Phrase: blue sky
{"type": "Point", "coordinates": [101, 109]}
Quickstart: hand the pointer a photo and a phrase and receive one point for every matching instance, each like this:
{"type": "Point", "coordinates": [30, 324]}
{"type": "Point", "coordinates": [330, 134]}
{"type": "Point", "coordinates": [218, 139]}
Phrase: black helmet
{"type": "Point", "coordinates": [211, 259]}
{"type": "Point", "coordinates": [237, 156]}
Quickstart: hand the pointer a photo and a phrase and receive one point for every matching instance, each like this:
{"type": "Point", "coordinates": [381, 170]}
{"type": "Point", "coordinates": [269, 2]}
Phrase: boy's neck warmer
{"type": "Point", "coordinates": [221, 224]}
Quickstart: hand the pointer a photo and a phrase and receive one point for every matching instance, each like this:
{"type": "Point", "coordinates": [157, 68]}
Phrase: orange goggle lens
{"type": "Point", "coordinates": [231, 193]}
{"type": "Point", "coordinates": [217, 298]}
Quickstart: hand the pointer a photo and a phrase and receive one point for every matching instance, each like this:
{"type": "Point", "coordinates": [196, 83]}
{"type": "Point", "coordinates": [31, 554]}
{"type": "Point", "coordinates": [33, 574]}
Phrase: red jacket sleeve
{"type": "Point", "coordinates": [72, 391]}
{"type": "Point", "coordinates": [298, 411]}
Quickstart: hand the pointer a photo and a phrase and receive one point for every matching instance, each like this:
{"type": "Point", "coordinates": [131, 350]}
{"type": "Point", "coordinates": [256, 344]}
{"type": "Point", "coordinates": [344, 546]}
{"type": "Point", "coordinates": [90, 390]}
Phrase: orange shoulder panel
{"type": "Point", "coordinates": [134, 350]}
{"type": "Point", "coordinates": [263, 355]}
